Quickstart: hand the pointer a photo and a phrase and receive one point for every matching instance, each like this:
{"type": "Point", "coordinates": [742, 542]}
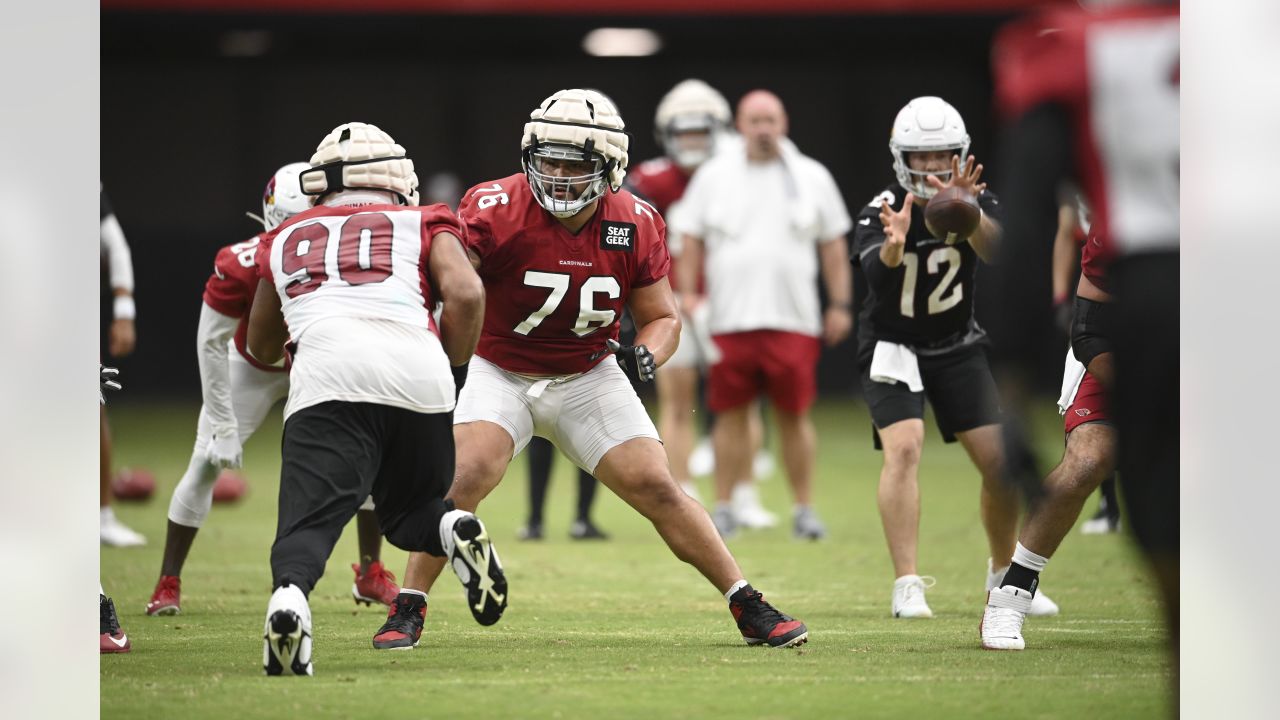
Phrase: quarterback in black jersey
{"type": "Point", "coordinates": [918, 340]}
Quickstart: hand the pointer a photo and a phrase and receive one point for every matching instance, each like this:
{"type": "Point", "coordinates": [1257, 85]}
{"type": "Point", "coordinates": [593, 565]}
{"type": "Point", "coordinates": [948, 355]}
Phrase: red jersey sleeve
{"type": "Point", "coordinates": [476, 234]}
{"type": "Point", "coordinates": [654, 261]}
{"type": "Point", "coordinates": [230, 288]}
{"type": "Point", "coordinates": [439, 218]}
{"type": "Point", "coordinates": [1038, 60]}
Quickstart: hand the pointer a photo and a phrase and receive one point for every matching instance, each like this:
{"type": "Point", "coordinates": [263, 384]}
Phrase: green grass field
{"type": "Point", "coordinates": [623, 629]}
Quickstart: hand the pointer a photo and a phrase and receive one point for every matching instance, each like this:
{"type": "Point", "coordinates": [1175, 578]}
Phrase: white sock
{"type": "Point", "coordinates": [410, 591]}
{"type": "Point", "coordinates": [728, 596]}
{"type": "Point", "coordinates": [1028, 559]}
{"type": "Point", "coordinates": [106, 514]}
{"type": "Point", "coordinates": [446, 529]}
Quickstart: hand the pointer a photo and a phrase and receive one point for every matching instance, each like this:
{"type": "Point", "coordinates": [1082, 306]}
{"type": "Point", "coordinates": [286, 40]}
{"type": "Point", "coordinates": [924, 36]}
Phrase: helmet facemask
{"type": "Point", "coordinates": [926, 124]}
{"type": "Point", "coordinates": [559, 193]}
{"type": "Point", "coordinates": [689, 152]}
{"type": "Point", "coordinates": [915, 180]}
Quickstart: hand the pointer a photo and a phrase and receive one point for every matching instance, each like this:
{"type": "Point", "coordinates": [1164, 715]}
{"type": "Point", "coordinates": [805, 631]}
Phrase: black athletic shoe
{"type": "Point", "coordinates": [761, 623]}
{"type": "Point", "coordinates": [403, 627]}
{"type": "Point", "coordinates": [111, 638]}
{"type": "Point", "coordinates": [586, 530]}
{"type": "Point", "coordinates": [532, 531]}
{"type": "Point", "coordinates": [474, 560]}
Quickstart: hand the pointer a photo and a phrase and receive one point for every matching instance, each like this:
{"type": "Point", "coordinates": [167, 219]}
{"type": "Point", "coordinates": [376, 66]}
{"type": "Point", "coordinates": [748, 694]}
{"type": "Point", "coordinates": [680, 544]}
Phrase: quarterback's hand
{"type": "Point", "coordinates": [121, 338]}
{"type": "Point", "coordinates": [106, 381]}
{"type": "Point", "coordinates": [966, 179]}
{"type": "Point", "coordinates": [225, 450]}
{"type": "Point", "coordinates": [896, 225]}
{"type": "Point", "coordinates": [635, 359]}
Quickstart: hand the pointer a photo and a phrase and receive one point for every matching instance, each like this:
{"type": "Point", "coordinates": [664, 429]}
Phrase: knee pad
{"type": "Point", "coordinates": [193, 496]}
{"type": "Point", "coordinates": [1090, 330]}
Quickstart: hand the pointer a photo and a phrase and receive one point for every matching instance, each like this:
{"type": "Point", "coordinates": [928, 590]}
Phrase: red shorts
{"type": "Point", "coordinates": [1089, 406]}
{"type": "Point", "coordinates": [782, 364]}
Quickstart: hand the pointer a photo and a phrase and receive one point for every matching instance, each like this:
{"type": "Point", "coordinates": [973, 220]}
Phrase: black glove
{"type": "Point", "coordinates": [635, 359]}
{"type": "Point", "coordinates": [107, 380]}
{"type": "Point", "coordinates": [1062, 311]}
{"type": "Point", "coordinates": [459, 376]}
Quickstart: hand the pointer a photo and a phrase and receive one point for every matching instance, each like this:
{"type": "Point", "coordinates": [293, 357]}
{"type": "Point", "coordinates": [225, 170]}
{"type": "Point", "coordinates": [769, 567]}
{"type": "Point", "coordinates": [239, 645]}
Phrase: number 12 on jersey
{"type": "Point", "coordinates": [589, 318]}
{"type": "Point", "coordinates": [937, 303]}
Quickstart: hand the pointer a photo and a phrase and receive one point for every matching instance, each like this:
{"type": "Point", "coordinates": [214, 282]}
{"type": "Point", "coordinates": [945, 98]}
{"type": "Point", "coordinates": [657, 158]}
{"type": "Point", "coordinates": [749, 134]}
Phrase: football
{"type": "Point", "coordinates": [229, 487]}
{"type": "Point", "coordinates": [952, 211]}
{"type": "Point", "coordinates": [133, 484]}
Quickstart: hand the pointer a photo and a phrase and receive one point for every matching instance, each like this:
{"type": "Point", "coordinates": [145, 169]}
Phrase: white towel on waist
{"type": "Point", "coordinates": [896, 363]}
{"type": "Point", "coordinates": [1072, 374]}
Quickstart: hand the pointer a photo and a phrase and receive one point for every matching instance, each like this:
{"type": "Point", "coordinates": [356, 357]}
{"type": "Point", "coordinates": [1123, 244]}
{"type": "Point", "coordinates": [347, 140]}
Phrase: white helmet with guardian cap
{"type": "Point", "coordinates": [359, 156]}
{"type": "Point", "coordinates": [576, 125]}
{"type": "Point", "coordinates": [283, 198]}
{"type": "Point", "coordinates": [691, 106]}
{"type": "Point", "coordinates": [926, 124]}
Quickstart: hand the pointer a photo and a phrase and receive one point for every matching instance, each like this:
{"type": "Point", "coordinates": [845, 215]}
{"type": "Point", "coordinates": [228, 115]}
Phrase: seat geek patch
{"type": "Point", "coordinates": [617, 236]}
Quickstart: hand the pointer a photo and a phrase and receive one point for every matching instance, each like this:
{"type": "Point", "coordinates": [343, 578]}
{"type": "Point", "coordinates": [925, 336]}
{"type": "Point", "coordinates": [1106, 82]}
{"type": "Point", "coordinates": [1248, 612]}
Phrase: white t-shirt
{"type": "Point", "coordinates": [760, 224]}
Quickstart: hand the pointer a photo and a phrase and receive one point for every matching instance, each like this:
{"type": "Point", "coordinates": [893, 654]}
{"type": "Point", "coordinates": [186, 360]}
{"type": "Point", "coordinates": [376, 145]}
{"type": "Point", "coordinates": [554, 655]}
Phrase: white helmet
{"type": "Point", "coordinates": [691, 105]}
{"type": "Point", "coordinates": [926, 124]}
{"type": "Point", "coordinates": [359, 156]}
{"type": "Point", "coordinates": [283, 198]}
{"type": "Point", "coordinates": [580, 125]}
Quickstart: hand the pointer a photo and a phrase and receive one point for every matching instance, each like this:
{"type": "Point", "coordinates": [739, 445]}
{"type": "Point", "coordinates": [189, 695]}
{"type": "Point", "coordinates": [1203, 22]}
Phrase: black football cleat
{"type": "Point", "coordinates": [475, 562]}
{"type": "Point", "coordinates": [403, 627]}
{"type": "Point", "coordinates": [761, 624]}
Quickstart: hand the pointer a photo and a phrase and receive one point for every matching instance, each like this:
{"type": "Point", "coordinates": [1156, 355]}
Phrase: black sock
{"type": "Point", "coordinates": [586, 494]}
{"type": "Point", "coordinates": [541, 452]}
{"type": "Point", "coordinates": [1021, 577]}
{"type": "Point", "coordinates": [1110, 504]}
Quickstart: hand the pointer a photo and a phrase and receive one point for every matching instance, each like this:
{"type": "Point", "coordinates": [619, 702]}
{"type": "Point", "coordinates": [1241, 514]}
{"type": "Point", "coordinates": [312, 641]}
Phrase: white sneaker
{"type": "Point", "coordinates": [702, 461]}
{"type": "Point", "coordinates": [908, 596]}
{"type": "Point", "coordinates": [286, 638]}
{"type": "Point", "coordinates": [806, 525]}
{"type": "Point", "coordinates": [691, 490]}
{"type": "Point", "coordinates": [747, 510]}
{"type": "Point", "coordinates": [1001, 626]}
{"type": "Point", "coordinates": [115, 533]}
{"type": "Point", "coordinates": [1099, 526]}
{"type": "Point", "coordinates": [1041, 605]}
{"type": "Point", "coordinates": [724, 521]}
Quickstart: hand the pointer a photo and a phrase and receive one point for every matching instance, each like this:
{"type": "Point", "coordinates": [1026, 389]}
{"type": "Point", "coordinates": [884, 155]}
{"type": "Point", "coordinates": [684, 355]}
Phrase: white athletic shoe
{"type": "Point", "coordinates": [115, 533]}
{"type": "Point", "coordinates": [286, 639]}
{"type": "Point", "coordinates": [762, 465]}
{"type": "Point", "coordinates": [1101, 525]}
{"type": "Point", "coordinates": [1041, 605]}
{"type": "Point", "coordinates": [1001, 626]}
{"type": "Point", "coordinates": [475, 561]}
{"type": "Point", "coordinates": [908, 596]}
{"type": "Point", "coordinates": [747, 510]}
{"type": "Point", "coordinates": [702, 461]}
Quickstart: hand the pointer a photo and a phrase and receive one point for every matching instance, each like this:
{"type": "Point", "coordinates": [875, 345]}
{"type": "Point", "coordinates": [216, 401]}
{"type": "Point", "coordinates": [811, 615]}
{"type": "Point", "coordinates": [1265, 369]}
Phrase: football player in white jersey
{"type": "Point", "coordinates": [238, 391]}
{"type": "Point", "coordinates": [349, 286]}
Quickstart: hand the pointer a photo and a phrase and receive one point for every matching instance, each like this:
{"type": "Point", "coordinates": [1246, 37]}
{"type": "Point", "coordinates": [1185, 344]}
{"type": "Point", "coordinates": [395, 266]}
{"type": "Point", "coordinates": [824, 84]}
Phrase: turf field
{"type": "Point", "coordinates": [622, 629]}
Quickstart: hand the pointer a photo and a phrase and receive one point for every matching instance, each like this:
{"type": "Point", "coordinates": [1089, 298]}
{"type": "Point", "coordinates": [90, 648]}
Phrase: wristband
{"type": "Point", "coordinates": [123, 308]}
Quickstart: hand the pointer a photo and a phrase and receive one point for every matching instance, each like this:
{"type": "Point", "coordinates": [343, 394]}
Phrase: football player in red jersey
{"type": "Point", "coordinates": [238, 391]}
{"type": "Point", "coordinates": [565, 248]}
{"type": "Point", "coordinates": [1093, 96]}
{"type": "Point", "coordinates": [347, 289]}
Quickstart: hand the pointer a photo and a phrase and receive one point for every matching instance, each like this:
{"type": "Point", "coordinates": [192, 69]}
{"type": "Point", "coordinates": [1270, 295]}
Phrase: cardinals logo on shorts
{"type": "Point", "coordinates": [1082, 412]}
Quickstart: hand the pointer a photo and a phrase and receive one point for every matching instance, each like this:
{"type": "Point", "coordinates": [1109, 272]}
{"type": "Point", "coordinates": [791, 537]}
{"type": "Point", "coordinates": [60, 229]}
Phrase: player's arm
{"type": "Point", "coordinates": [122, 337]}
{"type": "Point", "coordinates": [689, 270]}
{"type": "Point", "coordinates": [985, 240]}
{"type": "Point", "coordinates": [1066, 253]}
{"type": "Point", "coordinates": [837, 321]}
{"type": "Point", "coordinates": [895, 226]}
{"type": "Point", "coordinates": [653, 307]}
{"type": "Point", "coordinates": [212, 337]}
{"type": "Point", "coordinates": [453, 273]}
{"type": "Point", "coordinates": [267, 331]}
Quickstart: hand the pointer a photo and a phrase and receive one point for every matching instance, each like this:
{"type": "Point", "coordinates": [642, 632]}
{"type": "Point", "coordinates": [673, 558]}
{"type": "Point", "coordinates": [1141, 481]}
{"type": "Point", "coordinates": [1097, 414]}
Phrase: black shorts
{"type": "Point", "coordinates": [958, 384]}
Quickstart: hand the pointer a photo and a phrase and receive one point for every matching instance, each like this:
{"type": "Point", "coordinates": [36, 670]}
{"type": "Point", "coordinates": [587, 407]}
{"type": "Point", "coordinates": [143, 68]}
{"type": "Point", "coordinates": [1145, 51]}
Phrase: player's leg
{"type": "Point", "coordinates": [677, 397]}
{"type": "Point", "coordinates": [112, 531]}
{"type": "Point", "coordinates": [748, 510]}
{"type": "Point", "coordinates": [998, 501]}
{"type": "Point", "coordinates": [619, 442]}
{"type": "Point", "coordinates": [733, 383]}
{"type": "Point", "coordinates": [790, 364]}
{"type": "Point", "coordinates": [329, 456]}
{"type": "Point", "coordinates": [540, 454]}
{"type": "Point", "coordinates": [373, 582]}
{"type": "Point", "coordinates": [253, 393]}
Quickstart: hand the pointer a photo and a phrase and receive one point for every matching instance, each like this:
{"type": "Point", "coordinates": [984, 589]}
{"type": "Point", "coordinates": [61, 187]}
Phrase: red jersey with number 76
{"type": "Point", "coordinates": [553, 297]}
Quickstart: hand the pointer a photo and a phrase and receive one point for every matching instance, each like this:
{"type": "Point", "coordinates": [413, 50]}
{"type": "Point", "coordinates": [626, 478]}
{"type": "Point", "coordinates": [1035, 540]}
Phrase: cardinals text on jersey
{"type": "Point", "coordinates": [554, 297]}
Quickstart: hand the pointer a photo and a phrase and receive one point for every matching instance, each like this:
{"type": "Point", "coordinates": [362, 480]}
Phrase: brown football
{"type": "Point", "coordinates": [952, 210]}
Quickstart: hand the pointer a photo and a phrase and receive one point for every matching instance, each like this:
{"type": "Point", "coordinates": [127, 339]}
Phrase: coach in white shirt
{"type": "Point", "coordinates": [760, 222]}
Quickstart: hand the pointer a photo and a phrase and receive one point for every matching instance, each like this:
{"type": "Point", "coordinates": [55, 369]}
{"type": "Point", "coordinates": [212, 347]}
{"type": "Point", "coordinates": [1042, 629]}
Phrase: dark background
{"type": "Point", "coordinates": [192, 127]}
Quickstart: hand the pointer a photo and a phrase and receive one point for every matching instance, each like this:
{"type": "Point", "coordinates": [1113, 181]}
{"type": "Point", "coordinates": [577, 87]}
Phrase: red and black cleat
{"type": "Point", "coordinates": [404, 623]}
{"type": "Point", "coordinates": [377, 585]}
{"type": "Point", "coordinates": [760, 623]}
{"type": "Point", "coordinates": [112, 639]}
{"type": "Point", "coordinates": [166, 599]}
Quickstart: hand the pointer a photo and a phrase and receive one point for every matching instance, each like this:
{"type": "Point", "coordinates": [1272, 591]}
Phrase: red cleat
{"type": "Point", "coordinates": [760, 623]}
{"type": "Point", "coordinates": [376, 586]}
{"type": "Point", "coordinates": [113, 639]}
{"type": "Point", "coordinates": [229, 487]}
{"type": "Point", "coordinates": [167, 597]}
